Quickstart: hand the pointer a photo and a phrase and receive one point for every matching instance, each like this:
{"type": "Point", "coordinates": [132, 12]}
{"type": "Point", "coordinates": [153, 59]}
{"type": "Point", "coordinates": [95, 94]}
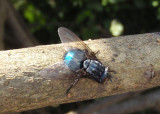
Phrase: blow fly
{"type": "Point", "coordinates": [79, 61]}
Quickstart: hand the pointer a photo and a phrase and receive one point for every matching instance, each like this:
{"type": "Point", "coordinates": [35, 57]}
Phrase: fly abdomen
{"type": "Point", "coordinates": [74, 59]}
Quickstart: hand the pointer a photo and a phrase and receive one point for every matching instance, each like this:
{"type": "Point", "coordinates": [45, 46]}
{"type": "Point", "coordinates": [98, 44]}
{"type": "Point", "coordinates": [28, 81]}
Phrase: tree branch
{"type": "Point", "coordinates": [135, 58]}
{"type": "Point", "coordinates": [17, 34]}
{"type": "Point", "coordinates": [139, 103]}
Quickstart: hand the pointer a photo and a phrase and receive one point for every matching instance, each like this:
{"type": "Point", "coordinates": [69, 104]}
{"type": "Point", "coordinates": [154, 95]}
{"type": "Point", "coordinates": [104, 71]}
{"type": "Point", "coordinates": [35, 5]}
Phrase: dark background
{"type": "Point", "coordinates": [89, 18]}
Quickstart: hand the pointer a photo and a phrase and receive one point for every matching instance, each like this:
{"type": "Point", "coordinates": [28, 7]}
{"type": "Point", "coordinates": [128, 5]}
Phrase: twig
{"type": "Point", "coordinates": [22, 88]}
{"type": "Point", "coordinates": [142, 102]}
{"type": "Point", "coordinates": [105, 102]}
{"type": "Point", "coordinates": [17, 33]}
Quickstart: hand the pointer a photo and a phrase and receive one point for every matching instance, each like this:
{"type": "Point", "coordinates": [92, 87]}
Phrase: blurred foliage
{"type": "Point", "coordinates": [88, 18]}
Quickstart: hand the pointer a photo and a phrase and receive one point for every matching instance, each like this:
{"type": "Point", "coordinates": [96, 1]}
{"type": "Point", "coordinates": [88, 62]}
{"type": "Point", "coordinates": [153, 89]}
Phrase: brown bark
{"type": "Point", "coordinates": [135, 58]}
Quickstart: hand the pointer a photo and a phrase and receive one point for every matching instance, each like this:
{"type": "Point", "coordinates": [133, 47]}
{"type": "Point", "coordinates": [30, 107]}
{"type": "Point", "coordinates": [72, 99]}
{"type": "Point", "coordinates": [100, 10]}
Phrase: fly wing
{"type": "Point", "coordinates": [57, 71]}
{"type": "Point", "coordinates": [67, 36]}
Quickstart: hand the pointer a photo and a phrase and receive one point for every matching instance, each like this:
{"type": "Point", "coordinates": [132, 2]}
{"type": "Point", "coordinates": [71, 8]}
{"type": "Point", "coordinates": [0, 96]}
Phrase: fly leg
{"type": "Point", "coordinates": [75, 82]}
{"type": "Point", "coordinates": [109, 76]}
{"type": "Point", "coordinates": [81, 73]}
{"type": "Point", "coordinates": [97, 52]}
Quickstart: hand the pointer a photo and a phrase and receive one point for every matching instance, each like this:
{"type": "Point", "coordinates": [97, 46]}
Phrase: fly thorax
{"type": "Point", "coordinates": [86, 63]}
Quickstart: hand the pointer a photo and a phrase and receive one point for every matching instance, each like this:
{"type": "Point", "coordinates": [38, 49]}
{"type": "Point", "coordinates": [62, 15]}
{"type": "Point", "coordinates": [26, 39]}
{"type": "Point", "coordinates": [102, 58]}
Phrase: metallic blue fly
{"type": "Point", "coordinates": [79, 61]}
